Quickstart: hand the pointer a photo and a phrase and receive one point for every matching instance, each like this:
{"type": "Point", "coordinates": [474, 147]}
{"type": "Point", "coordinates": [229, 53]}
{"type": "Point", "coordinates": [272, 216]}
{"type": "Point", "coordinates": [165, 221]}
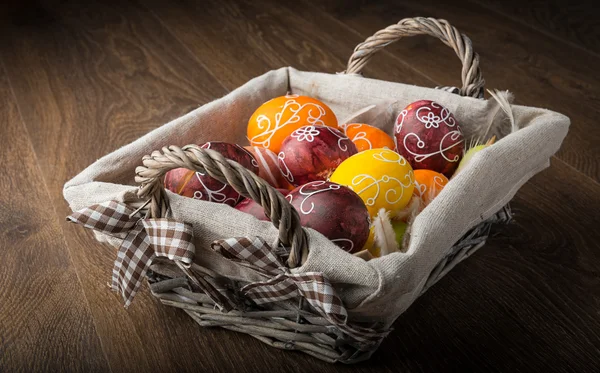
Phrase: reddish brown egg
{"type": "Point", "coordinates": [333, 210]}
{"type": "Point", "coordinates": [312, 153]}
{"type": "Point", "coordinates": [248, 206]}
{"type": "Point", "coordinates": [429, 137]}
{"type": "Point", "coordinates": [268, 167]}
{"type": "Point", "coordinates": [198, 185]}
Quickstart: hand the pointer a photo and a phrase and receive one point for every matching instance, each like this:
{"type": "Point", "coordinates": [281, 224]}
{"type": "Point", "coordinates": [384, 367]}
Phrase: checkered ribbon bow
{"type": "Point", "coordinates": [143, 240]}
{"type": "Point", "coordinates": [314, 287]}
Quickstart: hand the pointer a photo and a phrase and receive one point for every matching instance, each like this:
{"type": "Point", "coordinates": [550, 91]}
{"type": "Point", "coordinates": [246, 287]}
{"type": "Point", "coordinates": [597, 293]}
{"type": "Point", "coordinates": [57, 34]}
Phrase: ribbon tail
{"type": "Point", "coordinates": [133, 260]}
{"type": "Point", "coordinates": [143, 240]}
{"type": "Point", "coordinates": [170, 238]}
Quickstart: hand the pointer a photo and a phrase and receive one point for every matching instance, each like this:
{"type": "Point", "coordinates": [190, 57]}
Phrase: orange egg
{"type": "Point", "coordinates": [367, 137]}
{"type": "Point", "coordinates": [276, 119]}
{"type": "Point", "coordinates": [428, 184]}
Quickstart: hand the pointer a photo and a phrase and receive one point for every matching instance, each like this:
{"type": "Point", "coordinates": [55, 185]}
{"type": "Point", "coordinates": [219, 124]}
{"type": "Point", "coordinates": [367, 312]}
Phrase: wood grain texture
{"type": "Point", "coordinates": [542, 72]}
{"type": "Point", "coordinates": [575, 22]}
{"type": "Point", "coordinates": [269, 37]}
{"type": "Point", "coordinates": [37, 278]}
{"type": "Point", "coordinates": [90, 78]}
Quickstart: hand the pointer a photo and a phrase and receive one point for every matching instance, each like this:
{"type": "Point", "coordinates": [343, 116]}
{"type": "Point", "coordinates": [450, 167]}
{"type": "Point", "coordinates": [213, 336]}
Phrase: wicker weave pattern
{"type": "Point", "coordinates": [289, 326]}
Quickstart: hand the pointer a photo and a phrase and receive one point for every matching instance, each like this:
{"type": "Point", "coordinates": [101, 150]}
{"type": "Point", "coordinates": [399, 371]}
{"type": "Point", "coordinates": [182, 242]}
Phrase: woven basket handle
{"type": "Point", "coordinates": [150, 177]}
{"type": "Point", "coordinates": [472, 80]}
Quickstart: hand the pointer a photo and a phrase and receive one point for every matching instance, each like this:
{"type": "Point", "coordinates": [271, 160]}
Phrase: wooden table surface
{"type": "Point", "coordinates": [79, 81]}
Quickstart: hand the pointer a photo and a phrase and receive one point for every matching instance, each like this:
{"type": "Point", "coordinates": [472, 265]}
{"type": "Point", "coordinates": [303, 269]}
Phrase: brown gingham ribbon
{"type": "Point", "coordinates": [312, 286]}
{"type": "Point", "coordinates": [143, 240]}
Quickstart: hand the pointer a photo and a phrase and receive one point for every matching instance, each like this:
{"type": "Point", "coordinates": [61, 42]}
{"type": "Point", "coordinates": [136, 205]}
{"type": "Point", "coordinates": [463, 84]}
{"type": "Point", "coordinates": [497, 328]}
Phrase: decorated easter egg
{"type": "Point", "coordinates": [268, 167]}
{"type": "Point", "coordinates": [249, 206]}
{"type": "Point", "coordinates": [334, 211]}
{"type": "Point", "coordinates": [367, 137]}
{"type": "Point", "coordinates": [312, 153]}
{"type": "Point", "coordinates": [471, 152]}
{"type": "Point", "coordinates": [428, 184]}
{"type": "Point", "coordinates": [429, 137]}
{"type": "Point", "coordinates": [370, 244]}
{"type": "Point", "coordinates": [381, 177]}
{"type": "Point", "coordinates": [276, 119]}
{"type": "Point", "coordinates": [200, 185]}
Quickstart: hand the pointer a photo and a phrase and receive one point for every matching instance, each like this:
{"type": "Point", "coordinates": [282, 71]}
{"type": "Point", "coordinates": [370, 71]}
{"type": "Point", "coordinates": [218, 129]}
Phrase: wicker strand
{"type": "Point", "coordinates": [472, 80]}
{"type": "Point", "coordinates": [278, 209]}
{"type": "Point", "coordinates": [323, 354]}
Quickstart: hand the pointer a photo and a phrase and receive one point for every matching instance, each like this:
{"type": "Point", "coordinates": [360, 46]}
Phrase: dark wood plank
{"type": "Point", "coordinates": [45, 321]}
{"type": "Point", "coordinates": [574, 22]}
{"type": "Point", "coordinates": [539, 71]}
{"type": "Point", "coordinates": [255, 37]}
{"type": "Point", "coordinates": [88, 80]}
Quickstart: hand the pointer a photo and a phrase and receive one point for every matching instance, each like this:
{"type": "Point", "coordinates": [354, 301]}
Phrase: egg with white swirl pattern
{"type": "Point", "coordinates": [312, 153]}
{"type": "Point", "coordinates": [429, 137]}
{"type": "Point", "coordinates": [333, 210]}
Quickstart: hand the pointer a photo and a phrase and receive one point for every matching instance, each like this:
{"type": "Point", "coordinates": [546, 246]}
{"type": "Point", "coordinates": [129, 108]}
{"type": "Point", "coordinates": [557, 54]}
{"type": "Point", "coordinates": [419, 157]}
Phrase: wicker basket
{"type": "Point", "coordinates": [306, 320]}
{"type": "Point", "coordinates": [285, 325]}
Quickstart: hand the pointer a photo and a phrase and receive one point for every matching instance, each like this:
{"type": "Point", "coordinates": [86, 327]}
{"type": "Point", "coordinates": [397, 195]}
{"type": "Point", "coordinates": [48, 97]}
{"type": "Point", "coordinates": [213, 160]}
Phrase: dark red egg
{"type": "Point", "coordinates": [333, 210]}
{"type": "Point", "coordinates": [198, 185]}
{"type": "Point", "coordinates": [429, 137]}
{"type": "Point", "coordinates": [248, 206]}
{"type": "Point", "coordinates": [312, 153]}
{"type": "Point", "coordinates": [268, 167]}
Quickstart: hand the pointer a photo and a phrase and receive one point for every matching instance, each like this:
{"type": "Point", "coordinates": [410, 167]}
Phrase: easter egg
{"type": "Point", "coordinates": [268, 167]}
{"type": "Point", "coordinates": [471, 152]}
{"type": "Point", "coordinates": [367, 137]}
{"type": "Point", "coordinates": [399, 230]}
{"type": "Point", "coordinates": [370, 244]}
{"type": "Point", "coordinates": [429, 137]}
{"type": "Point", "coordinates": [381, 177]}
{"type": "Point", "coordinates": [312, 153]}
{"type": "Point", "coordinates": [249, 206]}
{"type": "Point", "coordinates": [334, 211]}
{"type": "Point", "coordinates": [200, 185]}
{"type": "Point", "coordinates": [428, 184]}
{"type": "Point", "coordinates": [276, 119]}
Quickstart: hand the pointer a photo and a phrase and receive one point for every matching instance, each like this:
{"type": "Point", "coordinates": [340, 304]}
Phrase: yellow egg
{"type": "Point", "coordinates": [370, 245]}
{"type": "Point", "coordinates": [381, 177]}
{"type": "Point", "coordinates": [371, 240]}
